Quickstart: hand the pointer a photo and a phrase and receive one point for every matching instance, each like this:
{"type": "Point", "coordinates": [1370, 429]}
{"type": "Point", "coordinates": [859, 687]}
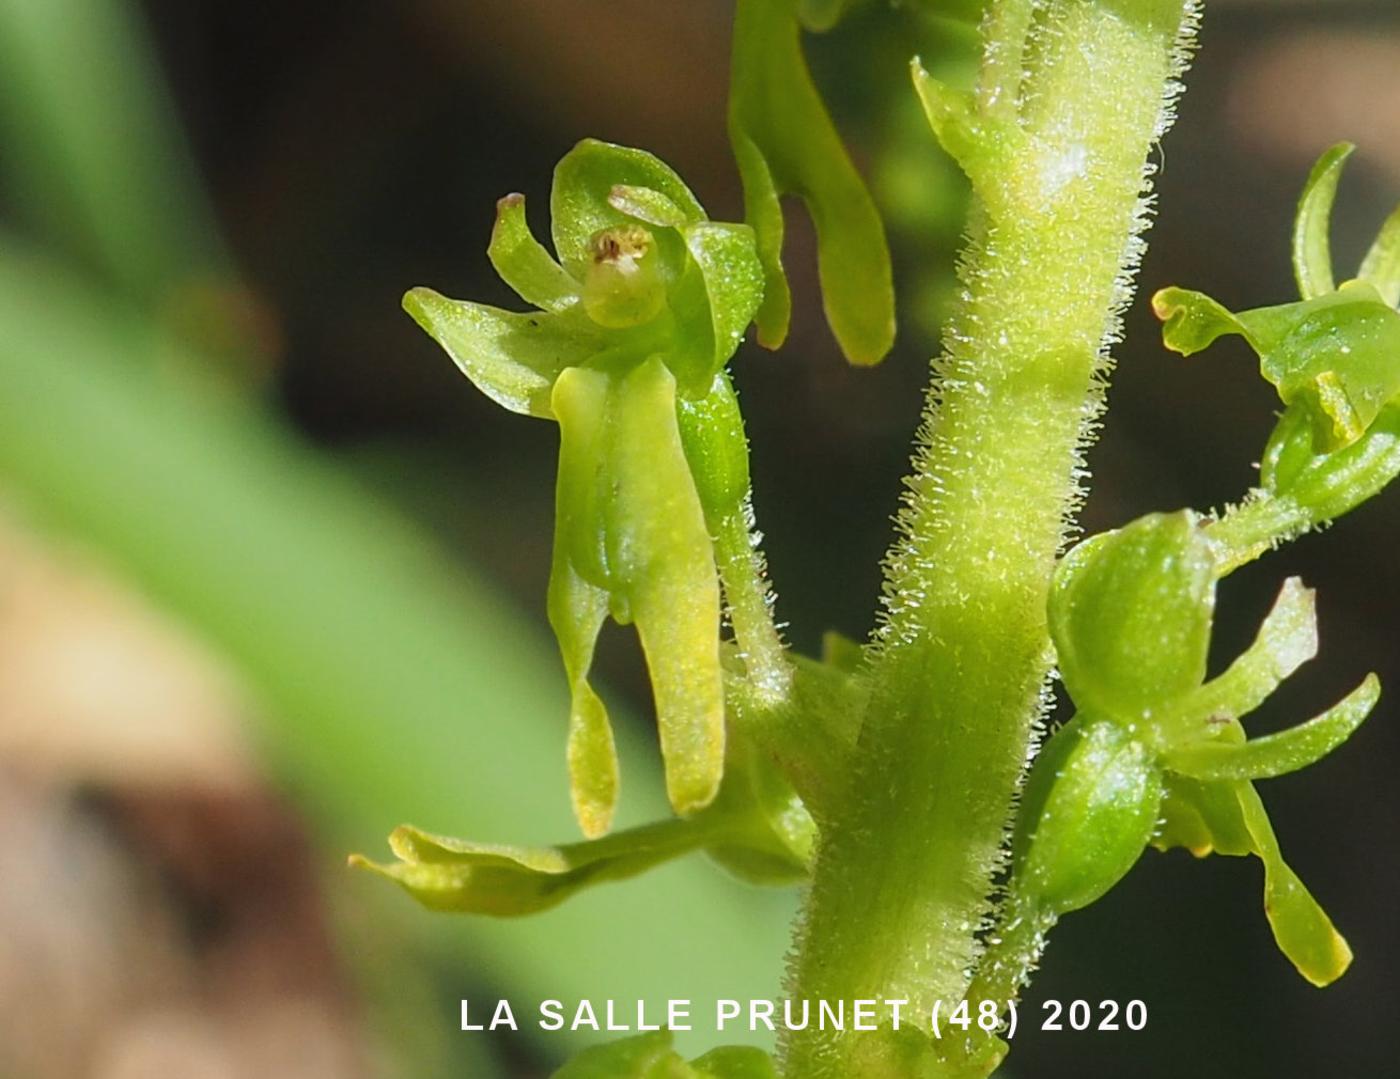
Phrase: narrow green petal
{"type": "Point", "coordinates": [663, 557]}
{"type": "Point", "coordinates": [647, 205]}
{"type": "Point", "coordinates": [785, 143]}
{"type": "Point", "coordinates": [1191, 321]}
{"type": "Point", "coordinates": [584, 180]}
{"type": "Point", "coordinates": [1312, 245]}
{"type": "Point", "coordinates": [523, 262]}
{"type": "Point", "coordinates": [1381, 266]}
{"type": "Point", "coordinates": [1302, 929]}
{"type": "Point", "coordinates": [1279, 754]}
{"type": "Point", "coordinates": [1286, 640]}
{"type": "Point", "coordinates": [512, 358]}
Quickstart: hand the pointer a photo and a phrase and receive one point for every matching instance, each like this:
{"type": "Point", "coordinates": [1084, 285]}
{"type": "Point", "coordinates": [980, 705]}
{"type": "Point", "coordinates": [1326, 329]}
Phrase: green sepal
{"type": "Point", "coordinates": [1089, 810]}
{"type": "Point", "coordinates": [580, 205]}
{"type": "Point", "coordinates": [1228, 818]}
{"type": "Point", "coordinates": [460, 876]}
{"type": "Point", "coordinates": [1130, 615]}
{"type": "Point", "coordinates": [1312, 243]}
{"type": "Point", "coordinates": [716, 448]}
{"type": "Point", "coordinates": [1281, 753]}
{"type": "Point", "coordinates": [1335, 353]}
{"type": "Point", "coordinates": [1381, 266]}
{"type": "Point", "coordinates": [729, 265]}
{"type": "Point", "coordinates": [523, 263]}
{"type": "Point", "coordinates": [629, 522]}
{"type": "Point", "coordinates": [786, 144]}
{"type": "Point", "coordinates": [1286, 640]}
{"type": "Point", "coordinates": [512, 358]}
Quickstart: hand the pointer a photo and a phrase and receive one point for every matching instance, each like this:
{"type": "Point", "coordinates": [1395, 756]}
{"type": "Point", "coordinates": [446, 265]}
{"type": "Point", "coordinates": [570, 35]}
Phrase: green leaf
{"type": "Point", "coordinates": [1286, 640]}
{"type": "Point", "coordinates": [584, 181]}
{"type": "Point", "coordinates": [1089, 810]}
{"type": "Point", "coordinates": [1312, 245]}
{"type": "Point", "coordinates": [1302, 929]}
{"type": "Point", "coordinates": [1278, 754]}
{"type": "Point", "coordinates": [512, 358]}
{"type": "Point", "coordinates": [1130, 615]}
{"type": "Point", "coordinates": [786, 144]}
{"type": "Point", "coordinates": [524, 264]}
{"type": "Point", "coordinates": [1381, 266]}
{"type": "Point", "coordinates": [463, 877]}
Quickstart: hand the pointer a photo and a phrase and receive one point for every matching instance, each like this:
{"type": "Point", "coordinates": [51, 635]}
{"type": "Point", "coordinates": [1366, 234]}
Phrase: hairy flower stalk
{"type": "Point", "coordinates": [1073, 96]}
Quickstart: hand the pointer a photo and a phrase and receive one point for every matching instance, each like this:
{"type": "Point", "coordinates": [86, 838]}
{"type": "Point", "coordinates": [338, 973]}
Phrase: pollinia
{"type": "Point", "coordinates": [892, 777]}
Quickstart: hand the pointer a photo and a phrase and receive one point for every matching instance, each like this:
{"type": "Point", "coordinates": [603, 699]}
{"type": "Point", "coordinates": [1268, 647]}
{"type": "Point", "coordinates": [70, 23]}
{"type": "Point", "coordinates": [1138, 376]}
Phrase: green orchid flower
{"type": "Point", "coordinates": [1333, 356]}
{"type": "Point", "coordinates": [1157, 754]}
{"type": "Point", "coordinates": [635, 321]}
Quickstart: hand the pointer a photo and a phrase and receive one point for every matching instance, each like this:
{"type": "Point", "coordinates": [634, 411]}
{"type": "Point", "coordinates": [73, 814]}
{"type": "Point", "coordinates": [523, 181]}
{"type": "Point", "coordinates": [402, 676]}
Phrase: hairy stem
{"type": "Point", "coordinates": [749, 602]}
{"type": "Point", "coordinates": [905, 877]}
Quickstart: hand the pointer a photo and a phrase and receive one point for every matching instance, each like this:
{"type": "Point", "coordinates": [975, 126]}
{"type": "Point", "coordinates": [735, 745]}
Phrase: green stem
{"type": "Point", "coordinates": [1257, 526]}
{"type": "Point", "coordinates": [905, 876]}
{"type": "Point", "coordinates": [750, 609]}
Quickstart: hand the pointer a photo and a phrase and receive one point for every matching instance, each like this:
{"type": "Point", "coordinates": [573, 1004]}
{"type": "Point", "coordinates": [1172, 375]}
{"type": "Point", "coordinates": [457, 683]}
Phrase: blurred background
{"type": "Point", "coordinates": [272, 574]}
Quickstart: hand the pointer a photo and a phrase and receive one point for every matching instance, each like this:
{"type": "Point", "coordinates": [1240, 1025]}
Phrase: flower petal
{"type": "Point", "coordinates": [524, 264]}
{"type": "Point", "coordinates": [512, 358]}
